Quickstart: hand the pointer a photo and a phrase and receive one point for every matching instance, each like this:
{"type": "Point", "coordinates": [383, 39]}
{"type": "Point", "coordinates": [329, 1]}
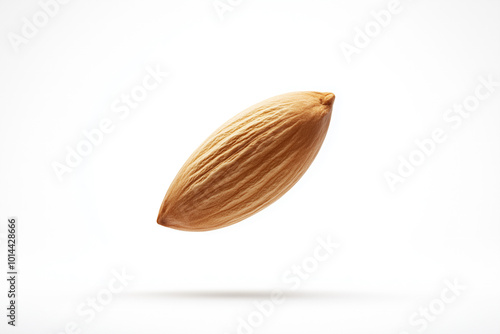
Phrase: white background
{"type": "Point", "coordinates": [397, 247]}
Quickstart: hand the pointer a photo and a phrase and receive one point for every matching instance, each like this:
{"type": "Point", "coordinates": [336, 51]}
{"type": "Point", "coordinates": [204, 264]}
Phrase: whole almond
{"type": "Point", "coordinates": [248, 163]}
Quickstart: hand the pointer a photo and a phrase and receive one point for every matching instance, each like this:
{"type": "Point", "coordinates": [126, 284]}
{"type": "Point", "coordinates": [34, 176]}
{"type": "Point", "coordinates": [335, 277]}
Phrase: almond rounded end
{"type": "Point", "coordinates": [176, 224]}
{"type": "Point", "coordinates": [170, 221]}
{"type": "Point", "coordinates": [164, 220]}
{"type": "Point", "coordinates": [160, 221]}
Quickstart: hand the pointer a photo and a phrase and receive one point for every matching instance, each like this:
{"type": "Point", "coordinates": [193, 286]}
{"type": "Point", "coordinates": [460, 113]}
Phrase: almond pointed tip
{"type": "Point", "coordinates": [328, 99]}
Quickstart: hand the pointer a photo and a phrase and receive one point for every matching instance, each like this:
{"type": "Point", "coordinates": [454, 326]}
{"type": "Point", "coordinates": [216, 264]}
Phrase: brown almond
{"type": "Point", "coordinates": [248, 163]}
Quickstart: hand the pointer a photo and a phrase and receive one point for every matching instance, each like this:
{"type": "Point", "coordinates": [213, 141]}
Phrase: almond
{"type": "Point", "coordinates": [248, 163]}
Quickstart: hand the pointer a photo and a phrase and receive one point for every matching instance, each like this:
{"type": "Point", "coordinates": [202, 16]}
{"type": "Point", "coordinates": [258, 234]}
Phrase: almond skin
{"type": "Point", "coordinates": [248, 163]}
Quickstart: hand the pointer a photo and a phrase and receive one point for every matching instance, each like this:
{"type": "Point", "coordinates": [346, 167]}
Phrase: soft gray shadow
{"type": "Point", "coordinates": [264, 294]}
